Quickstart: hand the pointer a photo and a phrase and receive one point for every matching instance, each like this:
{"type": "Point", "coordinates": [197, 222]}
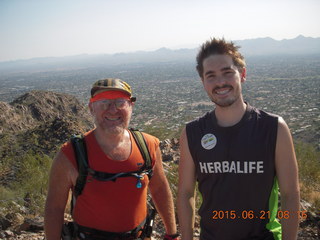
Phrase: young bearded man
{"type": "Point", "coordinates": [239, 155]}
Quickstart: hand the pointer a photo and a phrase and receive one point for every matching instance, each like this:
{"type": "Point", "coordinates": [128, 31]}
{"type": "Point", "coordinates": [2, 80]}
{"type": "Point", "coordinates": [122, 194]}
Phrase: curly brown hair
{"type": "Point", "coordinates": [219, 46]}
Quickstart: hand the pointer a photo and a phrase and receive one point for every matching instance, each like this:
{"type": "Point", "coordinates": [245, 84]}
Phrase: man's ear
{"type": "Point", "coordinates": [243, 74]}
{"type": "Point", "coordinates": [90, 105]}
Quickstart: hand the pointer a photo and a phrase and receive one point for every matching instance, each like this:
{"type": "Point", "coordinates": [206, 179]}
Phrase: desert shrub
{"type": "Point", "coordinates": [6, 195]}
{"type": "Point", "coordinates": [32, 180]}
{"type": "Point", "coordinates": [172, 176]}
{"type": "Point", "coordinates": [309, 172]}
{"type": "Point", "coordinates": [309, 163]}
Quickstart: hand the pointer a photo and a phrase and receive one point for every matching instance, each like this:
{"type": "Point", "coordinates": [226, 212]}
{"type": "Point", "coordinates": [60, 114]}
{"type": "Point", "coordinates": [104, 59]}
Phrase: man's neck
{"type": "Point", "coordinates": [110, 139]}
{"type": "Point", "coordinates": [230, 116]}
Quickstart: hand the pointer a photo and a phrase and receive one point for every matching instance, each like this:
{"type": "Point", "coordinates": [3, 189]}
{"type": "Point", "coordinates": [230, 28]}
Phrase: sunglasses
{"type": "Point", "coordinates": [120, 103]}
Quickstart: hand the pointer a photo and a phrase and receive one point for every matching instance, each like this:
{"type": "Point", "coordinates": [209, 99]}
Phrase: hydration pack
{"type": "Point", "coordinates": [84, 169]}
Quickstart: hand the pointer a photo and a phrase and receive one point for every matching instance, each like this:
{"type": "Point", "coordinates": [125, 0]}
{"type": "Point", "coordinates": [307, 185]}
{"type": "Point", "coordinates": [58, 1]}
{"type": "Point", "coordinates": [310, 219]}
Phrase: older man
{"type": "Point", "coordinates": [117, 208]}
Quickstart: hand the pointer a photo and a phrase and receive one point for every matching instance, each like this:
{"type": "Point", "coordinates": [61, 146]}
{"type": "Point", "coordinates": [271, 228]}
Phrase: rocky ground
{"type": "Point", "coordinates": [32, 229]}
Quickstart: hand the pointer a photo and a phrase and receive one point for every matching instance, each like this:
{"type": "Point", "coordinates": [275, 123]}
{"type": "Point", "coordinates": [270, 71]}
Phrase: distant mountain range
{"type": "Point", "coordinates": [269, 46]}
{"type": "Point", "coordinates": [252, 47]}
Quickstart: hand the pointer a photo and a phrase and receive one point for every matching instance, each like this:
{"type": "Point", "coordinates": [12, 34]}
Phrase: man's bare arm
{"type": "Point", "coordinates": [60, 183]}
{"type": "Point", "coordinates": [287, 173]}
{"type": "Point", "coordinates": [186, 190]}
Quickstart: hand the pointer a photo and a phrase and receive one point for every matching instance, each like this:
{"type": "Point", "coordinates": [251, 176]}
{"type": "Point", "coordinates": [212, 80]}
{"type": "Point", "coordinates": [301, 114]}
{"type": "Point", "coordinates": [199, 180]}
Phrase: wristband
{"type": "Point", "coordinates": [171, 237]}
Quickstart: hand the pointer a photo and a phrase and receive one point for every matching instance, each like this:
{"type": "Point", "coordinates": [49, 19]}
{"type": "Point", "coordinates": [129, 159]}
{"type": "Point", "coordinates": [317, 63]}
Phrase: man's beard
{"type": "Point", "coordinates": [225, 102]}
{"type": "Point", "coordinates": [117, 129]}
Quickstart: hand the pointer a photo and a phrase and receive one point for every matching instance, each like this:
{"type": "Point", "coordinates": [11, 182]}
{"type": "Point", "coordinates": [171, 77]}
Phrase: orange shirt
{"type": "Point", "coordinates": [112, 206]}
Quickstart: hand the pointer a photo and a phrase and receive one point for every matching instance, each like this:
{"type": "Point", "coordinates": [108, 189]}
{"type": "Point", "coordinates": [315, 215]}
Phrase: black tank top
{"type": "Point", "coordinates": [235, 169]}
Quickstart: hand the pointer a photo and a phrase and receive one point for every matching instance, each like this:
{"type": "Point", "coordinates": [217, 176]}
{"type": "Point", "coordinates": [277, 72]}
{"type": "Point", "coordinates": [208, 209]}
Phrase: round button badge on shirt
{"type": "Point", "coordinates": [208, 141]}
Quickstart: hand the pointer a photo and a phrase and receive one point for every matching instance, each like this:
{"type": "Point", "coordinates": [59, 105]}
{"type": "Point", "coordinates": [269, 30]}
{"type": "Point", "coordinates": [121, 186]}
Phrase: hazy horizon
{"type": "Point", "coordinates": [43, 28]}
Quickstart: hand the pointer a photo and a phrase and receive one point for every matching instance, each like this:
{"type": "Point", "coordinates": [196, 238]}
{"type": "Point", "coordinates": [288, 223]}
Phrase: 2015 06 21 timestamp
{"type": "Point", "coordinates": [250, 214]}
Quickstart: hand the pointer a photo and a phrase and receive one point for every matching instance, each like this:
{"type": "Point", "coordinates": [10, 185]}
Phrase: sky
{"type": "Point", "coordinates": [54, 28]}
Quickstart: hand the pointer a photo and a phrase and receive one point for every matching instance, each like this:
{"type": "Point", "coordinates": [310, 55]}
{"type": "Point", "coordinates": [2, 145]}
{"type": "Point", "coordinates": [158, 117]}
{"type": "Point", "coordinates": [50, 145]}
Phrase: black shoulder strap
{"type": "Point", "coordinates": [80, 151]}
{"type": "Point", "coordinates": [142, 145]}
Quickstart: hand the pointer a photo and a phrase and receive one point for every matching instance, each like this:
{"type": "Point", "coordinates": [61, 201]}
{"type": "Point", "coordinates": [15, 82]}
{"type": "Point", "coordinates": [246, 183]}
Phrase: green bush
{"type": "Point", "coordinates": [32, 180]}
{"type": "Point", "coordinates": [5, 196]}
{"type": "Point", "coordinates": [309, 172]}
{"type": "Point", "coordinates": [309, 163]}
{"type": "Point", "coordinates": [172, 177]}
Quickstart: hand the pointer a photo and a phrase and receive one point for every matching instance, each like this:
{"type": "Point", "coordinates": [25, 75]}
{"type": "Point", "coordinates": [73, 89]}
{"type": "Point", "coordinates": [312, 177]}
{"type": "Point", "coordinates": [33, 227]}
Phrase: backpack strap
{"type": "Point", "coordinates": [80, 151]}
{"type": "Point", "coordinates": [142, 145]}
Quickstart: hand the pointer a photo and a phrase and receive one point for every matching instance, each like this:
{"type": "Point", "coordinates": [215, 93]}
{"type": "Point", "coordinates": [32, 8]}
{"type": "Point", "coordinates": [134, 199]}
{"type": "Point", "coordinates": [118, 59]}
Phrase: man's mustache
{"type": "Point", "coordinates": [223, 86]}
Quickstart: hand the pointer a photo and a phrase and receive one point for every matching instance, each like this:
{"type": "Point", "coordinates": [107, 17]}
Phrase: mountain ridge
{"type": "Point", "coordinates": [268, 46]}
{"type": "Point", "coordinates": [38, 107]}
{"type": "Point", "coordinates": [40, 121]}
{"type": "Point", "coordinates": [250, 47]}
